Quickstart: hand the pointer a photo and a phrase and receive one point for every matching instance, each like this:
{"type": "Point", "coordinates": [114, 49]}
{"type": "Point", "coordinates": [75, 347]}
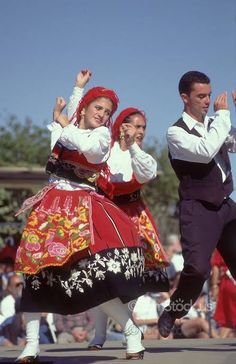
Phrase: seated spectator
{"type": "Point", "coordinates": [9, 296]}
{"type": "Point", "coordinates": [12, 331]}
{"type": "Point", "coordinates": [74, 328]}
{"type": "Point", "coordinates": [6, 270]}
{"type": "Point", "coordinates": [192, 325]}
{"type": "Point", "coordinates": [145, 315]}
{"type": "Point", "coordinates": [114, 331]}
{"type": "Point", "coordinates": [197, 327]}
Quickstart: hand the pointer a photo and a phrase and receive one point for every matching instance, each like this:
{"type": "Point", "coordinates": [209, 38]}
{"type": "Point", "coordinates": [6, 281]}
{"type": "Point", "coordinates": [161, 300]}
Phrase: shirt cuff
{"type": "Point", "coordinates": [223, 112]}
{"type": "Point", "coordinates": [134, 149]}
{"type": "Point", "coordinates": [224, 116]}
{"type": "Point", "coordinates": [70, 128]}
{"type": "Point", "coordinates": [77, 90]}
{"type": "Point", "coordinates": [53, 125]}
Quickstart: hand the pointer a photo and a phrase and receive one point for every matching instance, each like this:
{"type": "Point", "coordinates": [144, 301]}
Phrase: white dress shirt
{"type": "Point", "coordinates": [191, 148]}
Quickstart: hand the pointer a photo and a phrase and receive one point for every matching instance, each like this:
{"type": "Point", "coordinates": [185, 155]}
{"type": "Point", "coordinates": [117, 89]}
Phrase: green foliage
{"type": "Point", "coordinates": [23, 144]}
{"type": "Point", "coordinates": [10, 201]}
{"type": "Point", "coordinates": [164, 189]}
{"type": "Point", "coordinates": [161, 194]}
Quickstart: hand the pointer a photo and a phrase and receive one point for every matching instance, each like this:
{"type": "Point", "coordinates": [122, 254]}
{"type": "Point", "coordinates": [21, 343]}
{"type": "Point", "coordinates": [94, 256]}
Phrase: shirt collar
{"type": "Point", "coordinates": [192, 123]}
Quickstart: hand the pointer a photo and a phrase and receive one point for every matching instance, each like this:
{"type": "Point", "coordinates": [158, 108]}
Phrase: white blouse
{"type": "Point", "coordinates": [93, 144]}
{"type": "Point", "coordinates": [123, 164]}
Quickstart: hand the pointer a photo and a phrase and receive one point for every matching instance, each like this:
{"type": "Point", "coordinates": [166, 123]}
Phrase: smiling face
{"type": "Point", "coordinates": [197, 102]}
{"type": "Point", "coordinates": [96, 114]}
{"type": "Point", "coordinates": [138, 121]}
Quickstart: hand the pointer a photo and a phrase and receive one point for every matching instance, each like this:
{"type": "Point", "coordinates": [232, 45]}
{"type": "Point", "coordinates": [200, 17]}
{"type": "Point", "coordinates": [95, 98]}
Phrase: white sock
{"type": "Point", "coordinates": [32, 321]}
{"type": "Point", "coordinates": [117, 310]}
{"type": "Point", "coordinates": [100, 326]}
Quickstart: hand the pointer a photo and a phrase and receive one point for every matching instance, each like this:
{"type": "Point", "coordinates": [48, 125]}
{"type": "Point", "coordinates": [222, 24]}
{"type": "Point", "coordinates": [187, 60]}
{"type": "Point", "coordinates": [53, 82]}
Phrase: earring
{"type": "Point", "coordinates": [122, 135]}
{"type": "Point", "coordinates": [82, 113]}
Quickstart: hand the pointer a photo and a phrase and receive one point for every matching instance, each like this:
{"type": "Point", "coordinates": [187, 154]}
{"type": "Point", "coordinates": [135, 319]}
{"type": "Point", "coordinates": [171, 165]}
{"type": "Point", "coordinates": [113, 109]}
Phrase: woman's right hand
{"type": "Point", "coordinates": [83, 78]}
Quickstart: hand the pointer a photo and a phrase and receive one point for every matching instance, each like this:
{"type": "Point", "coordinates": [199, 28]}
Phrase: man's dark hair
{"type": "Point", "coordinates": [189, 78]}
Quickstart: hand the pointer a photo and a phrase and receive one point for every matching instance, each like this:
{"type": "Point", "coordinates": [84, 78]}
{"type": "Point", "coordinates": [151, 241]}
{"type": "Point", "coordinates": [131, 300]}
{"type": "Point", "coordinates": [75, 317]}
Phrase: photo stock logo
{"type": "Point", "coordinates": [179, 306]}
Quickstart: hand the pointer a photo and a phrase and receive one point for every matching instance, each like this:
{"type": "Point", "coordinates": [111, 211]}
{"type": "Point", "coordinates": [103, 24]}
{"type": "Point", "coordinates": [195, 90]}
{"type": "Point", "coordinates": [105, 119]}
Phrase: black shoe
{"type": "Point", "coordinates": [95, 347]}
{"type": "Point", "coordinates": [135, 356]}
{"type": "Point", "coordinates": [165, 324]}
{"type": "Point", "coordinates": [27, 359]}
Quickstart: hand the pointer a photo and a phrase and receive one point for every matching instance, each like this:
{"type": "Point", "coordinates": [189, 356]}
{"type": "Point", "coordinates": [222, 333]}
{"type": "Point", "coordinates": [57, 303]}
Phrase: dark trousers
{"type": "Point", "coordinates": [203, 227]}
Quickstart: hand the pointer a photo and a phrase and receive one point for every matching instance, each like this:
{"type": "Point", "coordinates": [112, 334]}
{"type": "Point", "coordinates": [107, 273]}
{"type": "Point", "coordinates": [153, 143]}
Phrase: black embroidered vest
{"type": "Point", "coordinates": [72, 165]}
{"type": "Point", "coordinates": [201, 181]}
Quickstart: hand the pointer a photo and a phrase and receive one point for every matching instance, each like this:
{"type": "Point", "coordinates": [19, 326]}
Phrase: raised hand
{"type": "Point", "coordinates": [83, 78]}
{"type": "Point", "coordinates": [221, 102]}
{"type": "Point", "coordinates": [57, 111]}
{"type": "Point", "coordinates": [128, 131]}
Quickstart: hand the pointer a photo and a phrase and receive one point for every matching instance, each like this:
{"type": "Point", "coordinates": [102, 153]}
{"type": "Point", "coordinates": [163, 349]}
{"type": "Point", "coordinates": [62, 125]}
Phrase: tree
{"type": "Point", "coordinates": [23, 144]}
{"type": "Point", "coordinates": [161, 194]}
{"type": "Point", "coordinates": [10, 201]}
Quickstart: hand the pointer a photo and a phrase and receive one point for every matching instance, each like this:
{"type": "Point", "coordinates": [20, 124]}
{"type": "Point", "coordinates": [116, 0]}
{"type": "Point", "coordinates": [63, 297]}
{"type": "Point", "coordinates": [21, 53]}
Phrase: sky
{"type": "Point", "coordinates": [140, 48]}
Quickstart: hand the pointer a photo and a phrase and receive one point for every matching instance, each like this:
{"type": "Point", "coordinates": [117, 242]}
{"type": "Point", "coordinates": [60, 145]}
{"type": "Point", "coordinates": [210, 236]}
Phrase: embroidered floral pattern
{"type": "Point", "coordinates": [154, 254]}
{"type": "Point", "coordinates": [53, 233]}
{"type": "Point", "coordinates": [87, 271]}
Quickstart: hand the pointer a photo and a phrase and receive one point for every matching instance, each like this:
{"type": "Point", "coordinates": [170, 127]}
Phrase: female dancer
{"type": "Point", "coordinates": [127, 170]}
{"type": "Point", "coordinates": [69, 261]}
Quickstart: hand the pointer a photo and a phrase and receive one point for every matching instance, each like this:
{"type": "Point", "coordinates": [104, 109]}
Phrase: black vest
{"type": "Point", "coordinates": [199, 181]}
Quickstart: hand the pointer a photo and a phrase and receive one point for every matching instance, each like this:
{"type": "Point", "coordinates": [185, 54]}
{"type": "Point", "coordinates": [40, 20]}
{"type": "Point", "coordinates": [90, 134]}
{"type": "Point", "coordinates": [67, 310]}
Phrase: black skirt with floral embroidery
{"type": "Point", "coordinates": [91, 281]}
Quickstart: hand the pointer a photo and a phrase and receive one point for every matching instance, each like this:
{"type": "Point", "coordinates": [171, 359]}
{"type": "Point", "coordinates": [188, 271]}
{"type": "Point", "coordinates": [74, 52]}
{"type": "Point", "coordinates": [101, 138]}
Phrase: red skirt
{"type": "Point", "coordinates": [225, 312]}
{"type": "Point", "coordinates": [69, 225]}
{"type": "Point", "coordinates": [141, 216]}
{"type": "Point", "coordinates": [78, 250]}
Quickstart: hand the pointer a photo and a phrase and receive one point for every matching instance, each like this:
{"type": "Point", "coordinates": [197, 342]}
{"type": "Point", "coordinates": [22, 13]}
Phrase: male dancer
{"type": "Point", "coordinates": [198, 151]}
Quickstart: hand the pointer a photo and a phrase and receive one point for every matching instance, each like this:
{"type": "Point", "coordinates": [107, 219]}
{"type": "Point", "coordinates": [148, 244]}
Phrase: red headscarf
{"type": "Point", "coordinates": [121, 118]}
{"type": "Point", "coordinates": [95, 93]}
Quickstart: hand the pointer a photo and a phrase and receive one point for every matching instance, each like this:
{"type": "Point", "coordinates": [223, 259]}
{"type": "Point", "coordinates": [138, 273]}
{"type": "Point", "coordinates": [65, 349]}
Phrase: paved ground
{"type": "Point", "coordinates": [188, 351]}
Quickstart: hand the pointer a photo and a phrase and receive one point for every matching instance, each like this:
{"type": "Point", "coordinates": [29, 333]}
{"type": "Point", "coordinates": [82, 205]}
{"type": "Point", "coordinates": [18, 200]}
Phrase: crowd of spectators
{"type": "Point", "coordinates": [213, 315]}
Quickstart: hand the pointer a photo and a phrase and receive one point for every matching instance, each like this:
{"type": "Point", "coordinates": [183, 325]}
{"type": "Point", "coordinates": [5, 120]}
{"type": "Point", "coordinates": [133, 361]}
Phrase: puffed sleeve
{"type": "Point", "coordinates": [94, 144]}
{"type": "Point", "coordinates": [143, 164]}
{"type": "Point", "coordinates": [55, 129]}
{"type": "Point", "coordinates": [74, 100]}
